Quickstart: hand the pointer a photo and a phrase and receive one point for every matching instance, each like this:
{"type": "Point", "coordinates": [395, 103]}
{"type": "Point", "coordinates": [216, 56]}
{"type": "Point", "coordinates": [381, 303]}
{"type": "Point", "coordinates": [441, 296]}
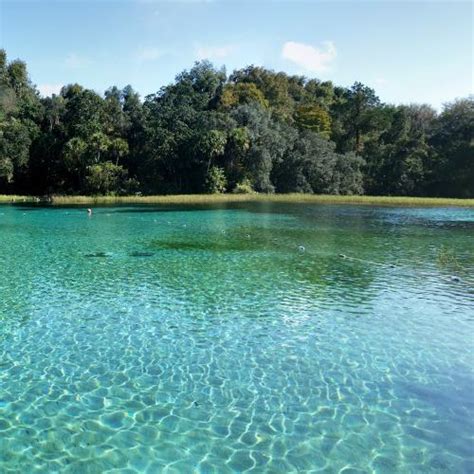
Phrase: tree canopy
{"type": "Point", "coordinates": [254, 130]}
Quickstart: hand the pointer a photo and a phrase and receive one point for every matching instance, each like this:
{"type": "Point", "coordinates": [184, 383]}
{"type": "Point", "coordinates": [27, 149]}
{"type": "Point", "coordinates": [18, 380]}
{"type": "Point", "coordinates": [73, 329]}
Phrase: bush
{"type": "Point", "coordinates": [216, 182]}
{"type": "Point", "coordinates": [244, 187]}
{"type": "Point", "coordinates": [108, 178]}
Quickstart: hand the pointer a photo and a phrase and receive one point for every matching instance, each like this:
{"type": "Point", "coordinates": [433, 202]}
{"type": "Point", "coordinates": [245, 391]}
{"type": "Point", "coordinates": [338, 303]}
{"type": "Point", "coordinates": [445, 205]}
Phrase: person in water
{"type": "Point", "coordinates": [89, 212]}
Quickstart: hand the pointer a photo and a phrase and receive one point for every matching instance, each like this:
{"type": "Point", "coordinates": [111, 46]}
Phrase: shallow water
{"type": "Point", "coordinates": [232, 339]}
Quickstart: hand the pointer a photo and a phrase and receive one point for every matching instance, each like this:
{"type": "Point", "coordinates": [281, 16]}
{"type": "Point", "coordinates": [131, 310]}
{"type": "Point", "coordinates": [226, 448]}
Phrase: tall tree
{"type": "Point", "coordinates": [256, 130]}
{"type": "Point", "coordinates": [357, 110]}
{"type": "Point", "coordinates": [453, 141]}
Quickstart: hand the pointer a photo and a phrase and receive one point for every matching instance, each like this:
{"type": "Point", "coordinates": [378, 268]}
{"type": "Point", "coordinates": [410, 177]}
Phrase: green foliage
{"type": "Point", "coordinates": [6, 168]}
{"type": "Point", "coordinates": [358, 113]}
{"type": "Point", "coordinates": [244, 187]}
{"type": "Point", "coordinates": [315, 118]}
{"type": "Point", "coordinates": [453, 170]}
{"type": "Point", "coordinates": [8, 101]}
{"type": "Point", "coordinates": [107, 178]}
{"type": "Point", "coordinates": [399, 160]}
{"type": "Point", "coordinates": [348, 174]}
{"type": "Point", "coordinates": [216, 182]}
{"type": "Point", "coordinates": [74, 150]}
{"type": "Point", "coordinates": [212, 143]}
{"type": "Point", "coordinates": [15, 142]}
{"type": "Point", "coordinates": [255, 131]}
{"type": "Point", "coordinates": [242, 93]}
{"type": "Point", "coordinates": [276, 87]}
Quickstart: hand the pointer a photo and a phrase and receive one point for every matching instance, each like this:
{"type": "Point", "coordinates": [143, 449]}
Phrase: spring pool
{"type": "Point", "coordinates": [255, 337]}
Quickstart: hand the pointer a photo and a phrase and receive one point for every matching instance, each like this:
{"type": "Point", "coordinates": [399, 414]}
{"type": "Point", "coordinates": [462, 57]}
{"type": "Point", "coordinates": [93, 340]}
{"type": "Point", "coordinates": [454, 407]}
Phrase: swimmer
{"type": "Point", "coordinates": [89, 212]}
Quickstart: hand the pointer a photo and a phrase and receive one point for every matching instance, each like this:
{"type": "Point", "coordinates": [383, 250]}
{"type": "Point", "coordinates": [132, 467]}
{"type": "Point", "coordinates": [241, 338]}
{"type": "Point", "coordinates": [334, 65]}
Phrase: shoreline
{"type": "Point", "coordinates": [238, 198]}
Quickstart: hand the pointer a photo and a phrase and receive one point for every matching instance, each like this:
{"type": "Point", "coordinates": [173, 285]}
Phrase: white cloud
{"type": "Point", "coordinates": [74, 61]}
{"type": "Point", "coordinates": [149, 54]}
{"type": "Point", "coordinates": [309, 57]}
{"type": "Point", "coordinates": [47, 90]}
{"type": "Point", "coordinates": [214, 52]}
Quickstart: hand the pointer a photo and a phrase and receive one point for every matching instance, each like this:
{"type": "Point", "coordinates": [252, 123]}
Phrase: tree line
{"type": "Point", "coordinates": [255, 130]}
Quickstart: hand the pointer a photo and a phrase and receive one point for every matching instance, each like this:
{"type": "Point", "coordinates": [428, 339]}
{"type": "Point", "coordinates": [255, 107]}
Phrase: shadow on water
{"type": "Point", "coordinates": [206, 246]}
{"type": "Point", "coordinates": [122, 208]}
{"type": "Point", "coordinates": [154, 209]}
{"type": "Point", "coordinates": [29, 208]}
{"type": "Point", "coordinates": [278, 251]}
{"type": "Point", "coordinates": [148, 208]}
{"type": "Point", "coordinates": [243, 239]}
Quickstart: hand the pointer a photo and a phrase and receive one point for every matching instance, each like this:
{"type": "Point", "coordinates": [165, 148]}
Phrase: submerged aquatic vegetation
{"type": "Point", "coordinates": [96, 255]}
{"type": "Point", "coordinates": [141, 254]}
{"type": "Point", "coordinates": [447, 259]}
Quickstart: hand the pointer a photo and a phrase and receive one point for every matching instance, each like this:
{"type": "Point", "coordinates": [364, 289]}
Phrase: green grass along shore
{"type": "Point", "coordinates": [235, 198]}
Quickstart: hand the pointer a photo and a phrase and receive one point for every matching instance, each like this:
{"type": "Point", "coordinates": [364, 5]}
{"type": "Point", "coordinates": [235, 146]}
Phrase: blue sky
{"type": "Point", "coordinates": [408, 51]}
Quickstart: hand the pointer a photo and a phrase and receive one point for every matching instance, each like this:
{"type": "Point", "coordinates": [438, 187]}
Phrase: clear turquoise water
{"type": "Point", "coordinates": [206, 340]}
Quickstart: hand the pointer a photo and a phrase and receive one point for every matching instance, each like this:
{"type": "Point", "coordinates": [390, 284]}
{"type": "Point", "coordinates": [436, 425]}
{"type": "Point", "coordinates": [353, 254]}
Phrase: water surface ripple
{"type": "Point", "coordinates": [254, 338]}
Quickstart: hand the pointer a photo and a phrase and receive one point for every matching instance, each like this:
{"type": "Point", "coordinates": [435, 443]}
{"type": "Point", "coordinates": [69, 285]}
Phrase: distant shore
{"type": "Point", "coordinates": [236, 198]}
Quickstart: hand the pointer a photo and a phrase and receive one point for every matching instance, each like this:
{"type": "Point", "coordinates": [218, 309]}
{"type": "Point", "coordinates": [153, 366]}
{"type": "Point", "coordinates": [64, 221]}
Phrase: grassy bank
{"type": "Point", "coordinates": [9, 198]}
{"type": "Point", "coordinates": [231, 198]}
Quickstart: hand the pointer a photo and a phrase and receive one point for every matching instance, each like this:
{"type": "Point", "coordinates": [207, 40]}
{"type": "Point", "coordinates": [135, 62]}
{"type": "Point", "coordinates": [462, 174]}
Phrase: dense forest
{"type": "Point", "coordinates": [253, 131]}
